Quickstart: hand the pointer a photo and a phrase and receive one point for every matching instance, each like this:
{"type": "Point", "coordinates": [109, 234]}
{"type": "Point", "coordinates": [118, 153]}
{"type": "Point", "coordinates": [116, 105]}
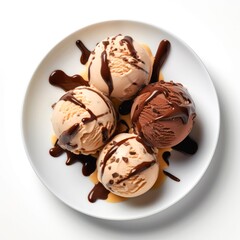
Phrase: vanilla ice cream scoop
{"type": "Point", "coordinates": [83, 120]}
{"type": "Point", "coordinates": [126, 166]}
{"type": "Point", "coordinates": [119, 67]}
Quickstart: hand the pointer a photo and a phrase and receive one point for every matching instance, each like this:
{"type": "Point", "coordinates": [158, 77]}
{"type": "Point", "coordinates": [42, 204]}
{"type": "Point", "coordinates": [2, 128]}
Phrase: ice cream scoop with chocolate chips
{"type": "Point", "coordinates": [126, 166]}
{"type": "Point", "coordinates": [119, 66]}
{"type": "Point", "coordinates": [83, 120]}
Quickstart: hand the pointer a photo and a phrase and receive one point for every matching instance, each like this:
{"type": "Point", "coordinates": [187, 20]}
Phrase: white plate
{"type": "Point", "coordinates": [67, 182]}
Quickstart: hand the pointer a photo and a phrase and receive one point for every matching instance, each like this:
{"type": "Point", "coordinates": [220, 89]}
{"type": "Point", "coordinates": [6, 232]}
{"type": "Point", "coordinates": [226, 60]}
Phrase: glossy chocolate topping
{"type": "Point", "coordinates": [60, 79]}
{"type": "Point", "coordinates": [125, 107]}
{"type": "Point", "coordinates": [171, 176]}
{"type": "Point", "coordinates": [188, 146]}
{"type": "Point", "coordinates": [66, 137]}
{"type": "Point", "coordinates": [166, 155]}
{"type": "Point", "coordinates": [88, 161]}
{"type": "Point", "coordinates": [160, 57]}
{"type": "Point", "coordinates": [98, 192]}
{"type": "Point", "coordinates": [138, 169]}
{"type": "Point", "coordinates": [111, 151]}
{"type": "Point", "coordinates": [105, 70]}
{"type": "Point", "coordinates": [85, 52]}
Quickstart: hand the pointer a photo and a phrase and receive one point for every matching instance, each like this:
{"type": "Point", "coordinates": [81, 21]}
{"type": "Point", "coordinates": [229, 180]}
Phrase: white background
{"type": "Point", "coordinates": [28, 30]}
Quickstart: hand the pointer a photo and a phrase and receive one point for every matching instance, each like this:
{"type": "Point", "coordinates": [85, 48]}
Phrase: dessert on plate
{"type": "Point", "coordinates": [121, 119]}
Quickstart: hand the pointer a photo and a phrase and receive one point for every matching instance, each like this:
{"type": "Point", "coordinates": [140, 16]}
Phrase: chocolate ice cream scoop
{"type": "Point", "coordinates": [163, 114]}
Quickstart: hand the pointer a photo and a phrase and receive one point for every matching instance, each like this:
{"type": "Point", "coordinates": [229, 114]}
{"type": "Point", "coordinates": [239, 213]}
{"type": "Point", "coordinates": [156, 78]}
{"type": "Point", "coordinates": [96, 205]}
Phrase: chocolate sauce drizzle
{"type": "Point", "coordinates": [104, 131]}
{"type": "Point", "coordinates": [88, 161]}
{"type": "Point", "coordinates": [147, 147]}
{"type": "Point", "coordinates": [138, 169]}
{"type": "Point", "coordinates": [129, 41]}
{"type": "Point", "coordinates": [171, 176]}
{"type": "Point", "coordinates": [114, 148]}
{"type": "Point", "coordinates": [160, 57]}
{"type": "Point", "coordinates": [60, 79]}
{"type": "Point", "coordinates": [85, 52]}
{"type": "Point", "coordinates": [69, 96]}
{"type": "Point", "coordinates": [66, 137]}
{"type": "Point", "coordinates": [166, 155]}
{"type": "Point", "coordinates": [98, 192]}
{"type": "Point", "coordinates": [188, 146]}
{"type": "Point", "coordinates": [125, 107]}
{"type": "Point", "coordinates": [105, 70]}
{"type": "Point", "coordinates": [56, 151]}
{"type": "Point", "coordinates": [111, 151]}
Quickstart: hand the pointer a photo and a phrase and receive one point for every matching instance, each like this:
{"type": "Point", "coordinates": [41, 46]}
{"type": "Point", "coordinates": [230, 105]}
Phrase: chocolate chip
{"type": "Point", "coordinates": [111, 182]}
{"type": "Point", "coordinates": [115, 175]}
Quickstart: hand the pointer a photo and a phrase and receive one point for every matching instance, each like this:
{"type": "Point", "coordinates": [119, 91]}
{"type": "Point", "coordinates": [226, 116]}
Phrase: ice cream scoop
{"type": "Point", "coordinates": [83, 120]}
{"type": "Point", "coordinates": [126, 166]}
{"type": "Point", "coordinates": [163, 114]}
{"type": "Point", "coordinates": [119, 66]}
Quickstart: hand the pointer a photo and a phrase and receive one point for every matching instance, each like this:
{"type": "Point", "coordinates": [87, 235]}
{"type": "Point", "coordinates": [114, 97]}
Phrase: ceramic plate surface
{"type": "Point", "coordinates": [67, 182]}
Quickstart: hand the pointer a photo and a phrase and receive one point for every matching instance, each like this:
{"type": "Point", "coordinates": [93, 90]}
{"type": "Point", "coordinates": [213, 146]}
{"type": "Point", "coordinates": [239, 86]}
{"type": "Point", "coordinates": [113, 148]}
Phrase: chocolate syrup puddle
{"type": "Point", "coordinates": [56, 151]}
{"type": "Point", "coordinates": [88, 161]}
{"type": "Point", "coordinates": [188, 145]}
{"type": "Point", "coordinates": [98, 192]}
{"type": "Point", "coordinates": [60, 79]}
{"type": "Point", "coordinates": [166, 155]}
{"type": "Point", "coordinates": [85, 52]}
{"type": "Point", "coordinates": [160, 57]}
{"type": "Point", "coordinates": [125, 107]}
